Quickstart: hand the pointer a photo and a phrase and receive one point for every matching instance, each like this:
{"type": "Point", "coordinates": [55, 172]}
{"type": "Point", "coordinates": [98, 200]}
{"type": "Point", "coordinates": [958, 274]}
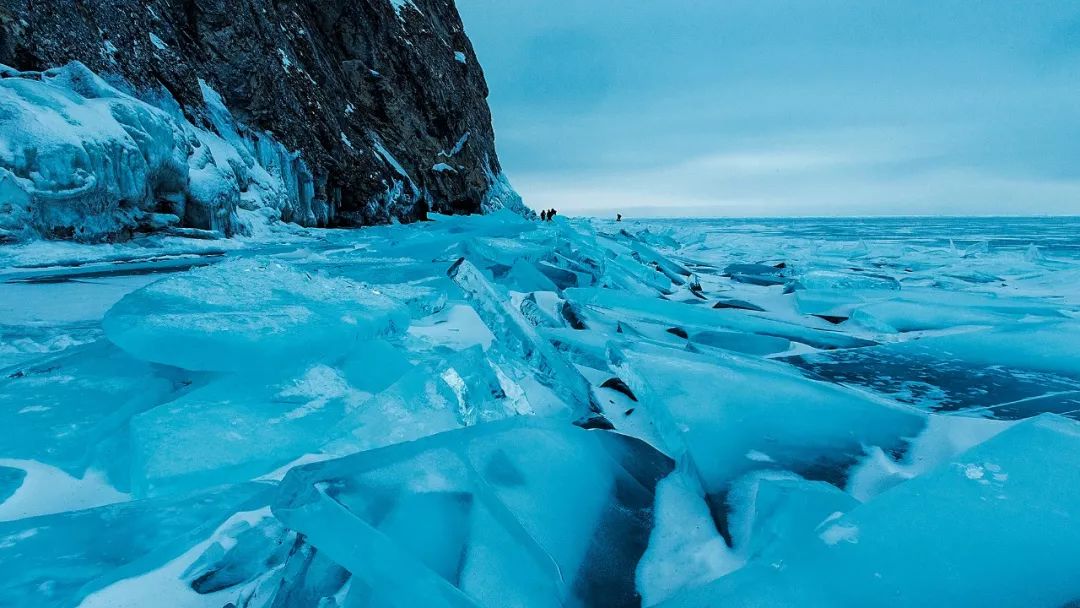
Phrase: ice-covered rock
{"type": "Point", "coordinates": [332, 84]}
{"type": "Point", "coordinates": [80, 159]}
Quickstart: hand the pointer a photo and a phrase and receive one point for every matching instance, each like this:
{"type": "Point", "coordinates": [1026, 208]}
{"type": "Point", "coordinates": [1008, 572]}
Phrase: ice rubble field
{"type": "Point", "coordinates": [491, 411]}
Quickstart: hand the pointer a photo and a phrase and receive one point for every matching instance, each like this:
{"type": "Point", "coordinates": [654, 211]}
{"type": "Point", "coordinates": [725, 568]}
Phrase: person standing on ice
{"type": "Point", "coordinates": [543, 216]}
{"type": "Point", "coordinates": [618, 217]}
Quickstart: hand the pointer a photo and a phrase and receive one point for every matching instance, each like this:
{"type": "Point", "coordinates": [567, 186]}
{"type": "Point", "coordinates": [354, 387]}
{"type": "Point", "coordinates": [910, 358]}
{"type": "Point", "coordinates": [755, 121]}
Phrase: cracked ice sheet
{"type": "Point", "coordinates": [1011, 372]}
{"type": "Point", "coordinates": [524, 512]}
{"type": "Point", "coordinates": [405, 254]}
{"type": "Point", "coordinates": [977, 512]}
{"type": "Point", "coordinates": [41, 318]}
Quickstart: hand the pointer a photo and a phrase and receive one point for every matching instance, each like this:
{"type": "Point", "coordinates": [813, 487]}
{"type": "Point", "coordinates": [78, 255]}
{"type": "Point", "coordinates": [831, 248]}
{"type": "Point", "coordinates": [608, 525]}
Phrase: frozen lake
{"type": "Point", "coordinates": [491, 411]}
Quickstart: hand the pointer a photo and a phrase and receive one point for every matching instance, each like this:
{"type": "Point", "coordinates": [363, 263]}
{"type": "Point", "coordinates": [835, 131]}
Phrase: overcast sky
{"type": "Point", "coordinates": [798, 107]}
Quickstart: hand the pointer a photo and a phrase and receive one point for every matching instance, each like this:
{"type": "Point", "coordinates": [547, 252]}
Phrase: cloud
{"type": "Point", "coordinates": [879, 172]}
{"type": "Point", "coordinates": [786, 106]}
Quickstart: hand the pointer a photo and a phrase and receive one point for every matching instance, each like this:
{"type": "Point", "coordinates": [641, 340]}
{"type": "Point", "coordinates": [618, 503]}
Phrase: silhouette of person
{"type": "Point", "coordinates": [618, 217]}
{"type": "Point", "coordinates": [543, 216]}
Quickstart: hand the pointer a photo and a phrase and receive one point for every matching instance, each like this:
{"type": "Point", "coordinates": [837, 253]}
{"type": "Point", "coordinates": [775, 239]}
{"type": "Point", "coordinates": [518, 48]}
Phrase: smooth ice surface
{"type": "Point", "coordinates": [248, 314]}
{"type": "Point", "coordinates": [237, 428]}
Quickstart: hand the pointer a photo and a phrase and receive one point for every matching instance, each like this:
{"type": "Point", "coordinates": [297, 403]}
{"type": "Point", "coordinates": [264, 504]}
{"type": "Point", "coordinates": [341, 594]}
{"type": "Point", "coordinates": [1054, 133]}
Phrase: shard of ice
{"type": "Point", "coordinates": [237, 428]}
{"type": "Point", "coordinates": [56, 560]}
{"type": "Point", "coordinates": [730, 415]}
{"type": "Point", "coordinates": [510, 327]}
{"type": "Point", "coordinates": [72, 410]}
{"type": "Point", "coordinates": [951, 537]}
{"type": "Point", "coordinates": [463, 389]}
{"type": "Point", "coordinates": [630, 307]}
{"type": "Point", "coordinates": [519, 513]}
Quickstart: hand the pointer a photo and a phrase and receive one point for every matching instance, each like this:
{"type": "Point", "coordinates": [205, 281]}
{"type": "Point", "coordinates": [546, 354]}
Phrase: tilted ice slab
{"type": "Point", "coordinates": [993, 526]}
{"type": "Point", "coordinates": [685, 550]}
{"type": "Point", "coordinates": [460, 390]}
{"type": "Point", "coordinates": [521, 513]}
{"type": "Point", "coordinates": [521, 337]}
{"type": "Point", "coordinates": [56, 560]}
{"type": "Point", "coordinates": [773, 510]}
{"type": "Point", "coordinates": [674, 313]}
{"type": "Point", "coordinates": [249, 425]}
{"type": "Point", "coordinates": [72, 410]}
{"type": "Point", "coordinates": [730, 415]}
{"type": "Point", "coordinates": [237, 428]}
{"type": "Point", "coordinates": [921, 309]}
{"type": "Point", "coordinates": [248, 314]}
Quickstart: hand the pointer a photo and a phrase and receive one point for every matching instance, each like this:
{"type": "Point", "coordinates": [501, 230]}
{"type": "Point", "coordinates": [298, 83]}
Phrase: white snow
{"type": "Point", "coordinates": [685, 550]}
{"type": "Point", "coordinates": [459, 145]}
{"type": "Point", "coordinates": [286, 62]}
{"type": "Point", "coordinates": [47, 490]}
{"type": "Point", "coordinates": [158, 42]}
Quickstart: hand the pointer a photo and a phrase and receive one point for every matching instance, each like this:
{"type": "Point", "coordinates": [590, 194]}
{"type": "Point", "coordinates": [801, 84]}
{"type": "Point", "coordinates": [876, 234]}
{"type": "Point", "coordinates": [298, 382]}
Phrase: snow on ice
{"type": "Point", "coordinates": [494, 411]}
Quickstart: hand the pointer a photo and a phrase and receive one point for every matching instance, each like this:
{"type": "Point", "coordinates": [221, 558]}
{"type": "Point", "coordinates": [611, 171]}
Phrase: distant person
{"type": "Point", "coordinates": [551, 214]}
{"type": "Point", "coordinates": [543, 216]}
{"type": "Point", "coordinates": [618, 217]}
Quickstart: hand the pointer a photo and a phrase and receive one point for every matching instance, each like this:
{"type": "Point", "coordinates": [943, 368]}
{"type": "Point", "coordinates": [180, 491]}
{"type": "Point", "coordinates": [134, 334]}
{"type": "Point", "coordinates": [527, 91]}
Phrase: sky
{"type": "Point", "coordinates": [785, 107]}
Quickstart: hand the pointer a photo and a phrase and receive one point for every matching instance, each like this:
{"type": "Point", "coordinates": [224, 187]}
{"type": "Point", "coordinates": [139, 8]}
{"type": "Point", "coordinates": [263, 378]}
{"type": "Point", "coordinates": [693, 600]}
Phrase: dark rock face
{"type": "Point", "coordinates": [384, 100]}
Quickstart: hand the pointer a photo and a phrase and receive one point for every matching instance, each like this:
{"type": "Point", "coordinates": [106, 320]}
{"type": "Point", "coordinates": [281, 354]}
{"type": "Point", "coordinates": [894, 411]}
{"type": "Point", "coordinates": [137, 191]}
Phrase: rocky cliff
{"type": "Point", "coordinates": [356, 111]}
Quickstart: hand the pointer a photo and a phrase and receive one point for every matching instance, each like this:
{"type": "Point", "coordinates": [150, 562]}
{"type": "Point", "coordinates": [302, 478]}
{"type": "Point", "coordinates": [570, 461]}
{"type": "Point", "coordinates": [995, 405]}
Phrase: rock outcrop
{"type": "Point", "coordinates": [358, 111]}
